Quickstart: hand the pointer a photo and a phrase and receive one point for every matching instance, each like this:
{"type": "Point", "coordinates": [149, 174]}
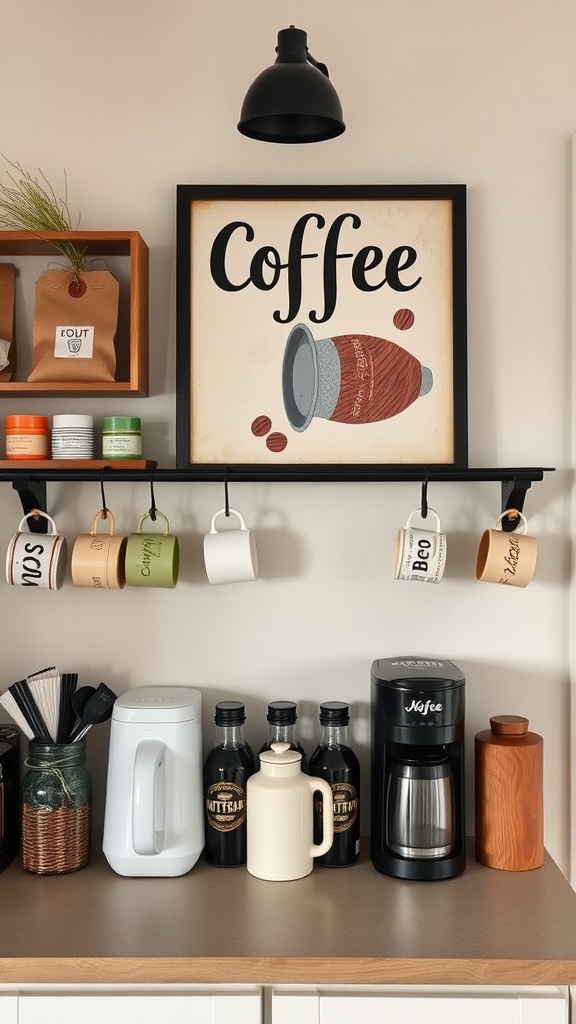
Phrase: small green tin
{"type": "Point", "coordinates": [121, 437]}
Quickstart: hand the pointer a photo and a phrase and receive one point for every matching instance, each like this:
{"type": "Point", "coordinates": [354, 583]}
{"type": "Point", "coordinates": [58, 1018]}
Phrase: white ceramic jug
{"type": "Point", "coordinates": [153, 820]}
{"type": "Point", "coordinates": [280, 817]}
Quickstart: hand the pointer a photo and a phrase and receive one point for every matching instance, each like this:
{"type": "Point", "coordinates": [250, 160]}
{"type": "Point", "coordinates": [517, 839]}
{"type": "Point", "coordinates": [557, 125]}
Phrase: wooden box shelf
{"type": "Point", "coordinates": [63, 464]}
{"type": "Point", "coordinates": [132, 334]}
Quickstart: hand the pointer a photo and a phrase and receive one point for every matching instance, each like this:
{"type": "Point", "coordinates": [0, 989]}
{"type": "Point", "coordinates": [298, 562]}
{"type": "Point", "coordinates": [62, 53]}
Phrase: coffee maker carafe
{"type": "Point", "coordinates": [417, 763]}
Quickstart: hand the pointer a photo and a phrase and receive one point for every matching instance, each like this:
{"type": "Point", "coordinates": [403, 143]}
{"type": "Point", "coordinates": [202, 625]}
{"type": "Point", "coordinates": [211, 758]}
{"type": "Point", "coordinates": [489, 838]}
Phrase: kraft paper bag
{"type": "Point", "coordinates": [75, 321]}
{"type": "Point", "coordinates": [7, 280]}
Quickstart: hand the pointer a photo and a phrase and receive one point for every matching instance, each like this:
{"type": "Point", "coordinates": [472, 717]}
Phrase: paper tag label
{"type": "Point", "coordinates": [73, 342]}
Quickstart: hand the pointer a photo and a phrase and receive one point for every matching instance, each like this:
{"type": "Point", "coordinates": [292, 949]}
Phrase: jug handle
{"type": "Point", "coordinates": [319, 785]}
{"type": "Point", "coordinates": [148, 798]}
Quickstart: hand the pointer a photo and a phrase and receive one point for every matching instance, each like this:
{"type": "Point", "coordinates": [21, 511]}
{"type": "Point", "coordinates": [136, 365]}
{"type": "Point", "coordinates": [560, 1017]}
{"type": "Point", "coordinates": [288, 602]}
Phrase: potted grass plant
{"type": "Point", "coordinates": [76, 306]}
{"type": "Point", "coordinates": [31, 204]}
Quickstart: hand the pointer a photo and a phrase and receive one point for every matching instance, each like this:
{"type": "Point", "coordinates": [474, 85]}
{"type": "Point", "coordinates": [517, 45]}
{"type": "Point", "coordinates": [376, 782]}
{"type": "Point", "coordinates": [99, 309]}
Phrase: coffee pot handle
{"type": "Point", "coordinates": [320, 786]}
{"type": "Point", "coordinates": [148, 798]}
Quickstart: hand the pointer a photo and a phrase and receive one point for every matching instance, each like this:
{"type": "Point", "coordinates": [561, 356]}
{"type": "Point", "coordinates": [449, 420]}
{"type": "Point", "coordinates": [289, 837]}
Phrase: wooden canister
{"type": "Point", "coordinates": [509, 795]}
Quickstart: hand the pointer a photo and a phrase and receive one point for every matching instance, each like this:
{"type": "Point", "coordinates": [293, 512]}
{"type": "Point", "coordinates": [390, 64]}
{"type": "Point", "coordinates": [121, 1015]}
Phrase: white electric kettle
{"type": "Point", "coordinates": [153, 818]}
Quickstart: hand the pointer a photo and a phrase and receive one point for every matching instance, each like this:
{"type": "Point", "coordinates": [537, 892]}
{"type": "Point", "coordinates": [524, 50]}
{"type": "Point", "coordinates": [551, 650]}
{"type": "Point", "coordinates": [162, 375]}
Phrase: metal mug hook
{"type": "Point", "coordinates": [105, 508]}
{"type": "Point", "coordinates": [424, 495]}
{"type": "Point", "coordinates": [153, 510]}
{"type": "Point", "coordinates": [226, 499]}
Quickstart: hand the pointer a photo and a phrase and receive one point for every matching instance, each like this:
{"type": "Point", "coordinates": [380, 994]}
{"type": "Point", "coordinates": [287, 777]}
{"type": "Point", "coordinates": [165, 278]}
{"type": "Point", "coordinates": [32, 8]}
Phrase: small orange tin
{"type": "Point", "coordinates": [27, 437]}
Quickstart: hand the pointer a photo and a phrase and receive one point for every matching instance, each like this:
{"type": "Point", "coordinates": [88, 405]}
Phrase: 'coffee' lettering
{"type": "Point", "coordinates": [266, 264]}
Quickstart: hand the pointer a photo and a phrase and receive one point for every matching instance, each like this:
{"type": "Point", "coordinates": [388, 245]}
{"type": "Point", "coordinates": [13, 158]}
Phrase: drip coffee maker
{"type": "Point", "coordinates": [417, 764]}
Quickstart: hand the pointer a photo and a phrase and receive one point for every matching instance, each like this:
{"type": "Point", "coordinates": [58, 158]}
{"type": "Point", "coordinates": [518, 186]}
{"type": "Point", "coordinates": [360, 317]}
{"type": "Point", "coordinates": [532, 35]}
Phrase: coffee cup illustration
{"type": "Point", "coordinates": [352, 378]}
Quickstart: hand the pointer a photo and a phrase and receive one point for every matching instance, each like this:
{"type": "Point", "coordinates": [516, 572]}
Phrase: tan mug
{"type": "Point", "coordinates": [98, 558]}
{"type": "Point", "coordinates": [507, 558]}
{"type": "Point", "coordinates": [152, 559]}
{"type": "Point", "coordinates": [36, 559]}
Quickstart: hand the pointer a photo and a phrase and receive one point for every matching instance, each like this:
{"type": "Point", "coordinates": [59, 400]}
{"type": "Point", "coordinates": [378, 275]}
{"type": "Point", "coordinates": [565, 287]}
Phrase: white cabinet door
{"type": "Point", "coordinates": [8, 1009]}
{"type": "Point", "coordinates": [413, 1006]}
{"type": "Point", "coordinates": [210, 1007]}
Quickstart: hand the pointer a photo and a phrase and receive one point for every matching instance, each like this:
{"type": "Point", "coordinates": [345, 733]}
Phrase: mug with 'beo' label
{"type": "Point", "coordinates": [420, 553]}
{"type": "Point", "coordinates": [36, 559]}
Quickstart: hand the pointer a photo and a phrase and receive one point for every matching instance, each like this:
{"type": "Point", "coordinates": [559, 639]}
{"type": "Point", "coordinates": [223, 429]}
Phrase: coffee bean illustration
{"type": "Point", "coordinates": [403, 319]}
{"type": "Point", "coordinates": [261, 425]}
{"type": "Point", "coordinates": [276, 442]}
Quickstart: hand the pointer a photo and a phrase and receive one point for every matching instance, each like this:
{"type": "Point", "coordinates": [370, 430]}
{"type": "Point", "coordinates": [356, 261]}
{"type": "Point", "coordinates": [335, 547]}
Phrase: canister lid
{"type": "Point", "coordinates": [280, 753]}
{"type": "Point", "coordinates": [509, 725]}
{"type": "Point", "coordinates": [27, 422]}
{"type": "Point", "coordinates": [121, 423]}
{"type": "Point", "coordinates": [72, 420]}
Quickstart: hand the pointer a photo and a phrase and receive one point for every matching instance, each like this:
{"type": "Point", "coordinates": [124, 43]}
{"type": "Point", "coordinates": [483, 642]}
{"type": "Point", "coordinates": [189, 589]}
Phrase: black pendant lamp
{"type": "Point", "coordinates": [293, 100]}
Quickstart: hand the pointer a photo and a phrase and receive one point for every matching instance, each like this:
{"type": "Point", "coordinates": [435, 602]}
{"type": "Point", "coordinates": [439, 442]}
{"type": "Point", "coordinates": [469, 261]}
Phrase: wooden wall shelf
{"type": "Point", "coordinates": [58, 468]}
{"type": "Point", "coordinates": [132, 335]}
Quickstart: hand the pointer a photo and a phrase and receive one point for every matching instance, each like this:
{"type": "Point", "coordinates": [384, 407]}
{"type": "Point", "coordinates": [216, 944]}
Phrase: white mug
{"type": "Point", "coordinates": [420, 553]}
{"type": "Point", "coordinates": [230, 555]}
{"type": "Point", "coordinates": [36, 559]}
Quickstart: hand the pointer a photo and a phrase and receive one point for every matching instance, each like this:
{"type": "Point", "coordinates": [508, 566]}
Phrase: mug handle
{"type": "Point", "coordinates": [37, 512]}
{"type": "Point", "coordinates": [430, 512]}
{"type": "Point", "coordinates": [323, 787]}
{"type": "Point", "coordinates": [516, 512]}
{"type": "Point", "coordinates": [148, 516]}
{"type": "Point", "coordinates": [232, 512]}
{"type": "Point", "coordinates": [103, 514]}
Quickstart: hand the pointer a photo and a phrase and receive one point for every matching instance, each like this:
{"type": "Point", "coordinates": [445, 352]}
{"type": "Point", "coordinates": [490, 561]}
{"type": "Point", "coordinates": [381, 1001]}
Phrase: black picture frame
{"type": "Point", "coordinates": [255, 372]}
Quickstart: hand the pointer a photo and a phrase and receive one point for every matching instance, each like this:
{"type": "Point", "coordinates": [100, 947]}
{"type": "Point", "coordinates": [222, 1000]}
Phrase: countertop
{"type": "Point", "coordinates": [337, 926]}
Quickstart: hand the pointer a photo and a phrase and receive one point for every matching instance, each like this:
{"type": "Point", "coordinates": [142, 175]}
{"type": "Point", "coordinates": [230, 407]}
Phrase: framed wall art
{"type": "Point", "coordinates": [321, 330]}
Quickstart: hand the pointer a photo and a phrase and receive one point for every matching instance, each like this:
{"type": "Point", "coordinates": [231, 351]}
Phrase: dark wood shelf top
{"type": "Point", "coordinates": [58, 465]}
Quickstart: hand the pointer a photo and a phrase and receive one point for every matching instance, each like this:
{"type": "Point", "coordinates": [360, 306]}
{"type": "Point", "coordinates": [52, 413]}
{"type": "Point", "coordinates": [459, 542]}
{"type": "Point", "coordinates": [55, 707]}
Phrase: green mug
{"type": "Point", "coordinates": [152, 559]}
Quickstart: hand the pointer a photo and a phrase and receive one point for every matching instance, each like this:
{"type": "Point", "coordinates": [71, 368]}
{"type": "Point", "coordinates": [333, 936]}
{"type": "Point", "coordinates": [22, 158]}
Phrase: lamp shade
{"type": "Point", "coordinates": [293, 101]}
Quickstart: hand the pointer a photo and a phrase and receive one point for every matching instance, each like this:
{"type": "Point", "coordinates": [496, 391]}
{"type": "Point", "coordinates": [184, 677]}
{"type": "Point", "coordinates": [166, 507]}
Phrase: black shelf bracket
{"type": "Point", "coordinates": [32, 494]}
{"type": "Point", "coordinates": [513, 497]}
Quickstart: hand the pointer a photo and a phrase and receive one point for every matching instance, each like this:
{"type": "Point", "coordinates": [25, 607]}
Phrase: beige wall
{"type": "Point", "coordinates": [132, 98]}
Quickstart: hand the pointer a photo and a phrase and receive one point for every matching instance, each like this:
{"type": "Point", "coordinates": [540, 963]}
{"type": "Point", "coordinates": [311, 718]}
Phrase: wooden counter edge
{"type": "Point", "coordinates": [283, 971]}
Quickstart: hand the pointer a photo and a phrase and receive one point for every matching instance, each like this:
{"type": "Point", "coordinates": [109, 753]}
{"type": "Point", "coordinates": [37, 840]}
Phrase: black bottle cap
{"type": "Point", "coordinates": [230, 712]}
{"type": "Point", "coordinates": [334, 712]}
{"type": "Point", "coordinates": [282, 712]}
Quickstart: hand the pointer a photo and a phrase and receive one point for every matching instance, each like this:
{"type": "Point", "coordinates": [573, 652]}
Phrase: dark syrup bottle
{"type": "Point", "coordinates": [281, 720]}
{"type": "Point", "coordinates": [227, 769]}
{"type": "Point", "coordinates": [335, 761]}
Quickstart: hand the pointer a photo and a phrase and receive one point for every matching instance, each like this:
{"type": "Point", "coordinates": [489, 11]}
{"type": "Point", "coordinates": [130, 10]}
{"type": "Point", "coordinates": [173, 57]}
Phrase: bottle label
{"type": "Point", "coordinates": [345, 799]}
{"type": "Point", "coordinates": [225, 806]}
